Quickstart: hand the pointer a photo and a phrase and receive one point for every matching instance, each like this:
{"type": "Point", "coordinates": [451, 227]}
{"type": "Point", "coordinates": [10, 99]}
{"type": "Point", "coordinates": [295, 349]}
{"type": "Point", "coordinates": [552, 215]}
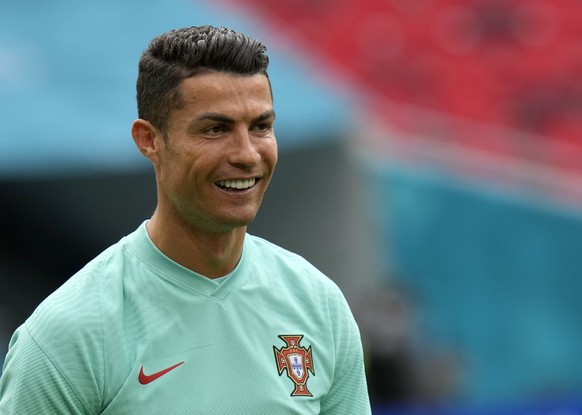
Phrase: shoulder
{"type": "Point", "coordinates": [61, 344]}
{"type": "Point", "coordinates": [268, 255]}
{"type": "Point", "coordinates": [287, 272]}
{"type": "Point", "coordinates": [73, 313]}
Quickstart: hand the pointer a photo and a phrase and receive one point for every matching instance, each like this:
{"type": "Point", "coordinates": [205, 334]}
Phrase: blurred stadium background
{"type": "Point", "coordinates": [431, 164]}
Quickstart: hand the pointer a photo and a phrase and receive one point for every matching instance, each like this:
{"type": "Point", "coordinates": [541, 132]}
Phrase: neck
{"type": "Point", "coordinates": [210, 254]}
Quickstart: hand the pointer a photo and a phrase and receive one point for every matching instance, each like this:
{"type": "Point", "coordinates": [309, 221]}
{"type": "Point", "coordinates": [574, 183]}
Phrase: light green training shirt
{"type": "Point", "coordinates": [135, 333]}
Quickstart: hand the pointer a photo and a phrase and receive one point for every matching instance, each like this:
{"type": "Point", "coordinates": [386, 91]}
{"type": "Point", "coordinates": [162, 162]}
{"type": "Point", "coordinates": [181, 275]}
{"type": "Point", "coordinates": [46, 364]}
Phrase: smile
{"type": "Point", "coordinates": [237, 184]}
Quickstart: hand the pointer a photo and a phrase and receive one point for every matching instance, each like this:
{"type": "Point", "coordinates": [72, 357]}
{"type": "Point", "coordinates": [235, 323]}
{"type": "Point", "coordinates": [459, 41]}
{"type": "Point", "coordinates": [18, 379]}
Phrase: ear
{"type": "Point", "coordinates": [146, 138]}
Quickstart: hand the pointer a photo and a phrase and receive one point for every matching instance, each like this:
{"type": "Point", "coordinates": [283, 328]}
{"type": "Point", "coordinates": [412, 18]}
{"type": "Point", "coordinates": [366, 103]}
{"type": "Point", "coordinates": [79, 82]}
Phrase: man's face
{"type": "Point", "coordinates": [220, 151]}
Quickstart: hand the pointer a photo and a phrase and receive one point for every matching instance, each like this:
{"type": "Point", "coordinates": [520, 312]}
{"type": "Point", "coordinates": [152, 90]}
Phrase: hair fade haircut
{"type": "Point", "coordinates": [182, 53]}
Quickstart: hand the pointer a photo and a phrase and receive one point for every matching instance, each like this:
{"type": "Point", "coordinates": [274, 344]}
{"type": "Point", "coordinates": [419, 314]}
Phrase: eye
{"type": "Point", "coordinates": [263, 127]}
{"type": "Point", "coordinates": [216, 129]}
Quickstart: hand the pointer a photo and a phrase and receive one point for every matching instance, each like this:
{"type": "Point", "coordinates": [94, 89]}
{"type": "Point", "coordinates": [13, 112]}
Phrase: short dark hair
{"type": "Point", "coordinates": [182, 53]}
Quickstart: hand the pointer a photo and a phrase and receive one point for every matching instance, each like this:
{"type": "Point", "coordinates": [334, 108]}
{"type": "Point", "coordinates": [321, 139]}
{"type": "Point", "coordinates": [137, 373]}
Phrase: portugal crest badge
{"type": "Point", "coordinates": [297, 361]}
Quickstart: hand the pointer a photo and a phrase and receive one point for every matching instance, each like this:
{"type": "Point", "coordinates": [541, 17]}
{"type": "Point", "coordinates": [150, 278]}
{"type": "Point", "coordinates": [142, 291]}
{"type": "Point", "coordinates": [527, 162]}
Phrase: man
{"type": "Point", "coordinates": [189, 314]}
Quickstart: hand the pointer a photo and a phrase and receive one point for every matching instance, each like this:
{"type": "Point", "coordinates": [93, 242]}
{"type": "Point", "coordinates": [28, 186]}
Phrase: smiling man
{"type": "Point", "coordinates": [190, 314]}
{"type": "Point", "coordinates": [213, 166]}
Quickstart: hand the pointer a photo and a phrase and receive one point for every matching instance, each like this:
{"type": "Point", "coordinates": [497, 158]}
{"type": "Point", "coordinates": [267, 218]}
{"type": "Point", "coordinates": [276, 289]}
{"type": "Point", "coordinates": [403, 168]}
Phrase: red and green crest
{"type": "Point", "coordinates": [297, 361]}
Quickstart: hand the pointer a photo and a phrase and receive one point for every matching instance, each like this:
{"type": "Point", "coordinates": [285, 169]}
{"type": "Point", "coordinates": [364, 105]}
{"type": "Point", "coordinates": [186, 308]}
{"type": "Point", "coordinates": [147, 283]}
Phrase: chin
{"type": "Point", "coordinates": [231, 223]}
{"type": "Point", "coordinates": [242, 222]}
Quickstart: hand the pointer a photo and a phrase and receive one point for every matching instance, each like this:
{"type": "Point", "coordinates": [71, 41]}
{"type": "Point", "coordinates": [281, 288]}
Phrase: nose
{"type": "Point", "coordinates": [243, 151]}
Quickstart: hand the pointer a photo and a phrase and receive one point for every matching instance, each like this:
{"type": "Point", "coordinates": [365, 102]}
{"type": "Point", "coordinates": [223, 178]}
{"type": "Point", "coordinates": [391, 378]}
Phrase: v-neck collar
{"type": "Point", "coordinates": [143, 247]}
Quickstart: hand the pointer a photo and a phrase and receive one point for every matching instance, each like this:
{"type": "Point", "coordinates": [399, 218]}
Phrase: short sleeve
{"type": "Point", "coordinates": [349, 391]}
{"type": "Point", "coordinates": [54, 363]}
{"type": "Point", "coordinates": [32, 384]}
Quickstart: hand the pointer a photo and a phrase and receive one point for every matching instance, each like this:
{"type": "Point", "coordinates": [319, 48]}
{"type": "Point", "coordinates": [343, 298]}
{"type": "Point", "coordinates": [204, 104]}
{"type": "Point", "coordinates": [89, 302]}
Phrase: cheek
{"type": "Point", "coordinates": [174, 174]}
{"type": "Point", "coordinates": [270, 153]}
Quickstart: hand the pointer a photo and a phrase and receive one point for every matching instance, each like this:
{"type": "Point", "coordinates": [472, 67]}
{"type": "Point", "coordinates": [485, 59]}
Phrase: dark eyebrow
{"type": "Point", "coordinates": [265, 116]}
{"type": "Point", "coordinates": [213, 116]}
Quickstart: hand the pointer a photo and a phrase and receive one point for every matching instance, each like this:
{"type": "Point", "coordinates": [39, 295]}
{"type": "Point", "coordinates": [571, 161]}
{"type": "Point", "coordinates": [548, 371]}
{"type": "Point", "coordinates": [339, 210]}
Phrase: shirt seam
{"type": "Point", "coordinates": [100, 305]}
{"type": "Point", "coordinates": [58, 369]}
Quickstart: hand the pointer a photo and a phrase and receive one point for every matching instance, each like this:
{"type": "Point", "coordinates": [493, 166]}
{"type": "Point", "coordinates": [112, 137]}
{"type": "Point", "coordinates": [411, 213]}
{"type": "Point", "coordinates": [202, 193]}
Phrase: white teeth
{"type": "Point", "coordinates": [237, 184]}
